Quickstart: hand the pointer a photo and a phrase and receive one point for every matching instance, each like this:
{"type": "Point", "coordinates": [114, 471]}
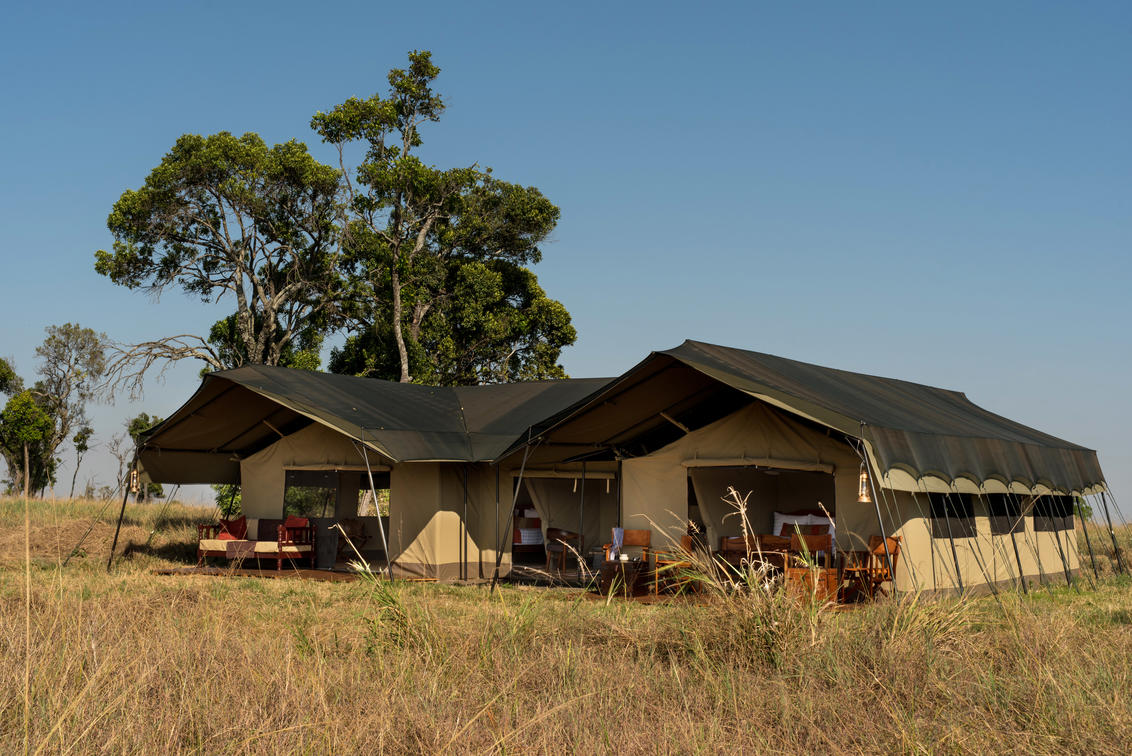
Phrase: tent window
{"type": "Point", "coordinates": [953, 515]}
{"type": "Point", "coordinates": [1005, 514]}
{"type": "Point", "coordinates": [310, 493]}
{"type": "Point", "coordinates": [1053, 513]}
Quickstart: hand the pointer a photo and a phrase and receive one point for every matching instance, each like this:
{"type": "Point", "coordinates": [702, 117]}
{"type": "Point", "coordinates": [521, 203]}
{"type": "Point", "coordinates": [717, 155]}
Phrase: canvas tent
{"type": "Point", "coordinates": [975, 497]}
{"type": "Point", "coordinates": [719, 417]}
{"type": "Point", "coordinates": [254, 424]}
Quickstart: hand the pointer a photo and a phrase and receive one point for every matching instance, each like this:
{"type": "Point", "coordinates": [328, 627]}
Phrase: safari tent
{"type": "Point", "coordinates": [480, 472]}
{"type": "Point", "coordinates": [975, 498]}
{"type": "Point", "coordinates": [304, 442]}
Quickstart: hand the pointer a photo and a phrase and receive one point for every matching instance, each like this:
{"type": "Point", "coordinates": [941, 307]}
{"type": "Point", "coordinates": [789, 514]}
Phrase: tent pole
{"type": "Point", "coordinates": [126, 495]}
{"type": "Point", "coordinates": [511, 516]}
{"type": "Point", "coordinates": [496, 465]}
{"type": "Point", "coordinates": [1026, 535]}
{"type": "Point", "coordinates": [581, 522]}
{"type": "Point", "coordinates": [380, 524]}
{"type": "Point", "coordinates": [464, 528]}
{"type": "Point", "coordinates": [948, 508]}
{"type": "Point", "coordinates": [1060, 551]}
{"type": "Point", "coordinates": [1088, 541]}
{"type": "Point", "coordinates": [880, 522]}
{"type": "Point", "coordinates": [1014, 543]}
{"type": "Point", "coordinates": [620, 502]}
{"type": "Point", "coordinates": [977, 550]}
{"type": "Point", "coordinates": [876, 505]}
{"type": "Point", "coordinates": [1112, 534]}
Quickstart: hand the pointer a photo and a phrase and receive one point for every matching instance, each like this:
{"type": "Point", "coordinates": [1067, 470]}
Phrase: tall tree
{"type": "Point", "coordinates": [227, 217]}
{"type": "Point", "coordinates": [419, 239]}
{"type": "Point", "coordinates": [23, 425]}
{"type": "Point", "coordinates": [81, 442]}
{"type": "Point", "coordinates": [72, 361]}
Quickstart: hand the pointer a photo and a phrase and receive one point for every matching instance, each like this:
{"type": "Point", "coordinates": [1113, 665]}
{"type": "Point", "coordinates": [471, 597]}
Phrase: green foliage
{"type": "Point", "coordinates": [137, 427]}
{"type": "Point", "coordinates": [72, 362]}
{"type": "Point", "coordinates": [10, 383]}
{"type": "Point", "coordinates": [26, 426]}
{"type": "Point", "coordinates": [226, 216]}
{"type": "Point", "coordinates": [435, 257]}
{"type": "Point", "coordinates": [303, 352]}
{"type": "Point", "coordinates": [228, 499]}
{"type": "Point", "coordinates": [498, 326]}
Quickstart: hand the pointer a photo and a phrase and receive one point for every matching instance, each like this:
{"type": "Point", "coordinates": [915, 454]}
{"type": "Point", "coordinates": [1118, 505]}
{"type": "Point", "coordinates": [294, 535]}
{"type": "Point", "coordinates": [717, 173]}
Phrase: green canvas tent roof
{"type": "Point", "coordinates": [237, 412]}
{"type": "Point", "coordinates": [909, 428]}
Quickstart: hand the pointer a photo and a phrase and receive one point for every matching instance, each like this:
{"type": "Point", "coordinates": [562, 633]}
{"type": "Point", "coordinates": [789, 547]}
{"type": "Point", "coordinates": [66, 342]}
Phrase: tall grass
{"type": "Point", "coordinates": [133, 662]}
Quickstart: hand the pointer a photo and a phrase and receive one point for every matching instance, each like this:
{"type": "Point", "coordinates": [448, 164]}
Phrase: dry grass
{"type": "Point", "coordinates": [132, 662]}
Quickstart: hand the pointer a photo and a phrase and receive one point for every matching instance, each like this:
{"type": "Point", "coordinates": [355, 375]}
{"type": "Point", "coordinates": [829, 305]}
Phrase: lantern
{"type": "Point", "coordinates": [863, 487]}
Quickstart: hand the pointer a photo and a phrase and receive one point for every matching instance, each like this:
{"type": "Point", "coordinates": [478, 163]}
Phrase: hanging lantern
{"type": "Point", "coordinates": [863, 487]}
{"type": "Point", "coordinates": [134, 481]}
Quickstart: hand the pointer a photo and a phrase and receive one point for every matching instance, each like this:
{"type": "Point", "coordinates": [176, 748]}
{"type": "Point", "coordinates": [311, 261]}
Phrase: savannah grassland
{"type": "Point", "coordinates": [133, 662]}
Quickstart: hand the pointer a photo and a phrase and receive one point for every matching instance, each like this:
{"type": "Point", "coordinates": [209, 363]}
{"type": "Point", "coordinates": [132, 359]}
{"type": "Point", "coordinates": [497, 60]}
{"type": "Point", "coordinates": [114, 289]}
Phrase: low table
{"type": "Point", "coordinates": [620, 578]}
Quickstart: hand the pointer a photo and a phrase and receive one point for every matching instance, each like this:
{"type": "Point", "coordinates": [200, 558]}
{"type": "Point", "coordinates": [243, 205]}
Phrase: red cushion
{"type": "Point", "coordinates": [296, 522]}
{"type": "Point", "coordinates": [236, 530]}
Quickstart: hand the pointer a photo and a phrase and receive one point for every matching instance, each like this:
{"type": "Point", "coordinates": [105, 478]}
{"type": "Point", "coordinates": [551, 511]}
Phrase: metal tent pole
{"type": "Point", "coordinates": [464, 529]}
{"type": "Point", "coordinates": [1112, 534]}
{"type": "Point", "coordinates": [380, 524]}
{"type": "Point", "coordinates": [581, 522]}
{"type": "Point", "coordinates": [122, 511]}
{"type": "Point", "coordinates": [511, 516]}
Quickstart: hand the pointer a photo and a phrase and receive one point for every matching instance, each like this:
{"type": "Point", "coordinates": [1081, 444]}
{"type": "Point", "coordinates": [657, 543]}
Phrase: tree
{"type": "Point", "coordinates": [72, 361]}
{"type": "Point", "coordinates": [498, 325]}
{"type": "Point", "coordinates": [81, 442]}
{"type": "Point", "coordinates": [10, 383]}
{"type": "Point", "coordinates": [419, 240]}
{"type": "Point", "coordinates": [24, 424]}
{"type": "Point", "coordinates": [227, 217]}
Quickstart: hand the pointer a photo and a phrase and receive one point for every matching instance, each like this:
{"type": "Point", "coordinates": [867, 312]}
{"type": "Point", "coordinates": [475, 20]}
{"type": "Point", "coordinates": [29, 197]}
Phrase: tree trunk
{"type": "Point", "coordinates": [398, 334]}
{"type": "Point", "coordinates": [78, 461]}
{"type": "Point", "coordinates": [27, 472]}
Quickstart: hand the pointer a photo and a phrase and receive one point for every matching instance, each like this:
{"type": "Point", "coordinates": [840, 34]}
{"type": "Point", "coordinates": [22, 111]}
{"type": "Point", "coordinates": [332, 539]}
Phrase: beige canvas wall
{"type": "Point", "coordinates": [929, 563]}
{"type": "Point", "coordinates": [263, 475]}
{"type": "Point", "coordinates": [655, 486]}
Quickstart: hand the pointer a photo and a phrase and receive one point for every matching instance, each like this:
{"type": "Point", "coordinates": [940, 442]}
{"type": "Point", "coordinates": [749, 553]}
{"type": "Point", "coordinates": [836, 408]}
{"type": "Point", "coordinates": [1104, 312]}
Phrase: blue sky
{"type": "Point", "coordinates": [933, 193]}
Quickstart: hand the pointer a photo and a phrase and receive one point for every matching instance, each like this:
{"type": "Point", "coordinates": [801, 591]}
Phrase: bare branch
{"type": "Point", "coordinates": [129, 364]}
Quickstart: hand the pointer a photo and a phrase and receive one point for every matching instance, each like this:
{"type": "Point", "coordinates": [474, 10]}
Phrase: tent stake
{"type": "Point", "coordinates": [1088, 541]}
{"type": "Point", "coordinates": [380, 524]}
{"type": "Point", "coordinates": [1112, 534]}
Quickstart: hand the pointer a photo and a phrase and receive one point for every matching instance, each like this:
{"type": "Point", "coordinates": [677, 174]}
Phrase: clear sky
{"type": "Point", "coordinates": [936, 192]}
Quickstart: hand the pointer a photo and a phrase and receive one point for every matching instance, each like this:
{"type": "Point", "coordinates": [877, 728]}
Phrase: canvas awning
{"type": "Point", "coordinates": [236, 413]}
{"type": "Point", "coordinates": [916, 436]}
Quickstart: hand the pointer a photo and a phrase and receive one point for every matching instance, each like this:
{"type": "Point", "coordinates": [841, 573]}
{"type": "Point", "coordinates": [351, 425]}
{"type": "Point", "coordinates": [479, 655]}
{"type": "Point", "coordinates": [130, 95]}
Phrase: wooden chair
{"type": "Point", "coordinates": [671, 567]}
{"type": "Point", "coordinates": [804, 575]}
{"type": "Point", "coordinates": [868, 571]}
{"type": "Point", "coordinates": [633, 539]}
{"type": "Point", "coordinates": [803, 545]}
{"type": "Point", "coordinates": [354, 530]}
{"type": "Point", "coordinates": [560, 543]}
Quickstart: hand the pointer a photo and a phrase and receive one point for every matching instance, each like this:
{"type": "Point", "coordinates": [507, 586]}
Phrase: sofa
{"type": "Point", "coordinates": [241, 539]}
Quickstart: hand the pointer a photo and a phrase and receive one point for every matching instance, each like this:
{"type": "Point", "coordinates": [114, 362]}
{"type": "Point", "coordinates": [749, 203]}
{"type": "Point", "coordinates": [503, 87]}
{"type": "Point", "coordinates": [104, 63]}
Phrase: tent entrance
{"type": "Point", "coordinates": [564, 501]}
{"type": "Point", "coordinates": [330, 497]}
{"type": "Point", "coordinates": [769, 491]}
